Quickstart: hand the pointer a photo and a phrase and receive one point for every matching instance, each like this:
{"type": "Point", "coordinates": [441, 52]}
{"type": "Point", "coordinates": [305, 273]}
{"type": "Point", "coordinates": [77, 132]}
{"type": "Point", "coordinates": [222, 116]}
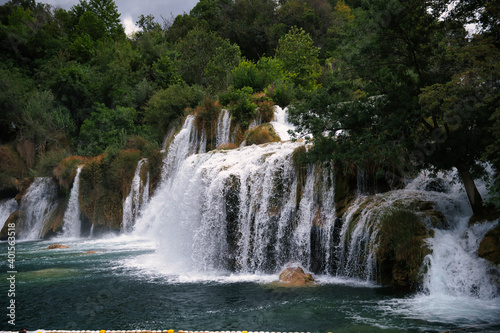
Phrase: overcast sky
{"type": "Point", "coordinates": [131, 9]}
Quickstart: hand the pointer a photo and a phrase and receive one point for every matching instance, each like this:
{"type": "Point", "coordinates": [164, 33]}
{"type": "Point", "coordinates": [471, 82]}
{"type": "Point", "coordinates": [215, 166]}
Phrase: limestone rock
{"type": "Point", "coordinates": [296, 277]}
{"type": "Point", "coordinates": [489, 248]}
{"type": "Point", "coordinates": [57, 246]}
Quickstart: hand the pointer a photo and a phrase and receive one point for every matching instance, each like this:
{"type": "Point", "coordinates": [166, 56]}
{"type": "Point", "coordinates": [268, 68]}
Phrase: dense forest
{"type": "Point", "coordinates": [395, 86]}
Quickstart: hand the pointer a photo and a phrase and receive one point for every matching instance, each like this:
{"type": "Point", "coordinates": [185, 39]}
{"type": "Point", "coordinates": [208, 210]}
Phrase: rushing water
{"type": "Point", "coordinates": [72, 221]}
{"type": "Point", "coordinates": [36, 207]}
{"type": "Point", "coordinates": [136, 199]}
{"type": "Point", "coordinates": [203, 252]}
{"type": "Point", "coordinates": [125, 285]}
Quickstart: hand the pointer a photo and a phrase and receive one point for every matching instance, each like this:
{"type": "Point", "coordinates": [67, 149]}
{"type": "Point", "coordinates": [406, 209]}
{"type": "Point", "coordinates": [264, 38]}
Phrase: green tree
{"type": "Point", "coordinates": [166, 106]}
{"type": "Point", "coordinates": [397, 53]}
{"type": "Point", "coordinates": [106, 128]}
{"type": "Point", "coordinates": [299, 56]}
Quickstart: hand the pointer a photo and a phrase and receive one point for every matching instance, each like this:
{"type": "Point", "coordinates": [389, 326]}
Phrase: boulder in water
{"type": "Point", "coordinates": [296, 277]}
{"type": "Point", "coordinates": [57, 246]}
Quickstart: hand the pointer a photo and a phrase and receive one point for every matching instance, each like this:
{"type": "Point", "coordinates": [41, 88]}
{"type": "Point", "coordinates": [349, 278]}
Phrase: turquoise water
{"type": "Point", "coordinates": [125, 285]}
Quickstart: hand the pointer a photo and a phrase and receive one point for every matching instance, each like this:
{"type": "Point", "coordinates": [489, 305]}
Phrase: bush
{"type": "Point", "coordinates": [65, 171]}
{"type": "Point", "coordinates": [263, 134]}
{"type": "Point", "coordinates": [241, 105]}
{"type": "Point", "coordinates": [106, 127]}
{"type": "Point", "coordinates": [167, 105]}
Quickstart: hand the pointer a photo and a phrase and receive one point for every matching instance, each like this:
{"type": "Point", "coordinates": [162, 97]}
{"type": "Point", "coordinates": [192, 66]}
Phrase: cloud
{"type": "Point", "coordinates": [130, 10]}
{"type": "Point", "coordinates": [129, 25]}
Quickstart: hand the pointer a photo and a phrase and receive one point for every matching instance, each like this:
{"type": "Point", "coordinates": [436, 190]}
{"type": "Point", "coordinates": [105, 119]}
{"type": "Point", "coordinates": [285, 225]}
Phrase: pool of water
{"type": "Point", "coordinates": [125, 285]}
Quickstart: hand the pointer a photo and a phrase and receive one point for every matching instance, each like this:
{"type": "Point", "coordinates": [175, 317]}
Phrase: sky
{"type": "Point", "coordinates": [131, 9]}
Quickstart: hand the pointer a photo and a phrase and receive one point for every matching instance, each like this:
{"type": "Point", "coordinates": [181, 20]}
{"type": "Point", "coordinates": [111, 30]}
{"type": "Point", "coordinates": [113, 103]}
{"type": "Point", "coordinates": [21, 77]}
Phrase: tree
{"type": "Point", "coordinates": [106, 127]}
{"type": "Point", "coordinates": [397, 53]}
{"type": "Point", "coordinates": [105, 11]}
{"type": "Point", "coordinates": [299, 56]}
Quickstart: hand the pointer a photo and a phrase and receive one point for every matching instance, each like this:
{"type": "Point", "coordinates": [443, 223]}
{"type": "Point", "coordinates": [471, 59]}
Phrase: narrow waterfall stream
{"type": "Point", "coordinates": [72, 221]}
{"type": "Point", "coordinates": [136, 199]}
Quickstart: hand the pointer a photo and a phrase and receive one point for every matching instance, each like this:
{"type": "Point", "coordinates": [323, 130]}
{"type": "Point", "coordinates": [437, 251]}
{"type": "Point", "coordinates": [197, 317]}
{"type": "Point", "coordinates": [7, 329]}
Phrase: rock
{"type": "Point", "coordinates": [296, 277]}
{"type": "Point", "coordinates": [57, 246]}
{"type": "Point", "coordinates": [263, 134]}
{"type": "Point", "coordinates": [4, 233]}
{"type": "Point", "coordinates": [489, 248]}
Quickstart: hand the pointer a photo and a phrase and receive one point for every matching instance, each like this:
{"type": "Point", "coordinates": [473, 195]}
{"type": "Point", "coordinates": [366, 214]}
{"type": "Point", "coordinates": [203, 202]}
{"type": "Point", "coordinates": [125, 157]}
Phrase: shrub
{"type": "Point", "coordinates": [65, 171]}
{"type": "Point", "coordinates": [263, 134]}
{"type": "Point", "coordinates": [241, 105]}
{"type": "Point", "coordinates": [167, 105]}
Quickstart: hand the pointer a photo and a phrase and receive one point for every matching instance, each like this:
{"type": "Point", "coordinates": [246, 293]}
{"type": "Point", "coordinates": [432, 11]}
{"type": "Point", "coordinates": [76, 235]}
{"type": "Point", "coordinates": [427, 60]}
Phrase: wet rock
{"type": "Point", "coordinates": [296, 277]}
{"type": "Point", "coordinates": [489, 248]}
{"type": "Point", "coordinates": [57, 246]}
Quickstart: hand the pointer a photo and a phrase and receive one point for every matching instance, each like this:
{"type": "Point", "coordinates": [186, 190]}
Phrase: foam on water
{"type": "Point", "coordinates": [281, 124]}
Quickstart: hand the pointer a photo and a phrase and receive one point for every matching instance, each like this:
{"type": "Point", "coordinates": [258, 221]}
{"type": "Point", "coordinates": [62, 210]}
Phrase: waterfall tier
{"type": "Point", "coordinates": [36, 208]}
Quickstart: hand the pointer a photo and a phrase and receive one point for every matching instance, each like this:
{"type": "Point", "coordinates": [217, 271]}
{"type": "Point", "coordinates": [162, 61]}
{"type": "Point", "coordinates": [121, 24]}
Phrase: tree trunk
{"type": "Point", "coordinates": [476, 202]}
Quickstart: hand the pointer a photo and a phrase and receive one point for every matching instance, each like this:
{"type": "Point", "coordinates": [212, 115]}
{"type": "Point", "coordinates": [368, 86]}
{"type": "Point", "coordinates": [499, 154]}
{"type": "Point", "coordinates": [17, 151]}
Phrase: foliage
{"type": "Point", "coordinates": [167, 106]}
{"type": "Point", "coordinates": [165, 72]}
{"type": "Point", "coordinates": [241, 104]}
{"type": "Point", "coordinates": [263, 134]}
{"type": "Point", "coordinates": [106, 127]}
{"type": "Point", "coordinates": [299, 56]}
{"type": "Point", "coordinates": [257, 75]}
{"type": "Point", "coordinates": [65, 171]}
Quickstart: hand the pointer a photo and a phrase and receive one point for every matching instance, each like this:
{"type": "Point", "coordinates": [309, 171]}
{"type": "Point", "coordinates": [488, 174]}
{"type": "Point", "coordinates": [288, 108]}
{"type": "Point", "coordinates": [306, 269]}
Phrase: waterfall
{"type": "Point", "coordinates": [7, 207]}
{"type": "Point", "coordinates": [136, 199]}
{"type": "Point", "coordinates": [453, 268]}
{"type": "Point", "coordinates": [281, 124]}
{"type": "Point", "coordinates": [36, 208]}
{"type": "Point", "coordinates": [184, 144]}
{"type": "Point", "coordinates": [243, 210]}
{"type": "Point", "coordinates": [72, 223]}
{"type": "Point", "coordinates": [223, 128]}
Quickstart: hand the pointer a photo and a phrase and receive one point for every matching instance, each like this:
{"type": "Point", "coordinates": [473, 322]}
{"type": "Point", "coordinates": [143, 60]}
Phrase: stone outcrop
{"type": "Point", "coordinates": [489, 248]}
{"type": "Point", "coordinates": [57, 246]}
{"type": "Point", "coordinates": [295, 277]}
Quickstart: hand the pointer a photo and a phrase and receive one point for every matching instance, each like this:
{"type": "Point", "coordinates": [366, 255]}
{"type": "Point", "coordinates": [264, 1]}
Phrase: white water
{"type": "Point", "coordinates": [37, 205]}
{"type": "Point", "coordinates": [7, 207]}
{"type": "Point", "coordinates": [136, 199]}
{"type": "Point", "coordinates": [281, 124]}
{"type": "Point", "coordinates": [223, 128]}
{"type": "Point", "coordinates": [72, 222]}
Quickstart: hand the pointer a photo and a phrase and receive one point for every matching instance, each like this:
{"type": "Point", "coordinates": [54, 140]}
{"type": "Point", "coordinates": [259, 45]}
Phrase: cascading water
{"type": "Point", "coordinates": [36, 207]}
{"type": "Point", "coordinates": [281, 124]}
{"type": "Point", "coordinates": [7, 207]}
{"type": "Point", "coordinates": [223, 128]}
{"type": "Point", "coordinates": [136, 199]}
{"type": "Point", "coordinates": [72, 221]}
{"type": "Point", "coordinates": [225, 210]}
{"type": "Point", "coordinates": [249, 210]}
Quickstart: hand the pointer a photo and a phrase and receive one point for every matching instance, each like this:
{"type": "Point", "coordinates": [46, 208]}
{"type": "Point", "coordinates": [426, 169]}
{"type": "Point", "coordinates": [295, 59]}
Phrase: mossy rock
{"type": "Point", "coordinates": [401, 249]}
{"type": "Point", "coordinates": [13, 171]}
{"type": "Point", "coordinates": [489, 248]}
{"type": "Point", "coordinates": [13, 218]}
{"type": "Point", "coordinates": [56, 220]}
{"type": "Point", "coordinates": [263, 134]}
